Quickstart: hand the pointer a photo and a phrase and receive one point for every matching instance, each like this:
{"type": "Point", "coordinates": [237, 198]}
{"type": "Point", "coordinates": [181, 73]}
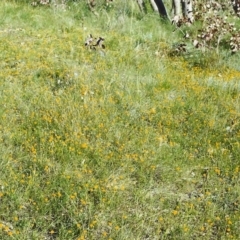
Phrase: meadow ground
{"type": "Point", "coordinates": [129, 142]}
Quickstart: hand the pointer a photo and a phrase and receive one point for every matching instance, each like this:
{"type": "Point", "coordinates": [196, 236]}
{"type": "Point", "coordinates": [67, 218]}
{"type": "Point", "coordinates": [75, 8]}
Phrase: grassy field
{"type": "Point", "coordinates": [129, 142]}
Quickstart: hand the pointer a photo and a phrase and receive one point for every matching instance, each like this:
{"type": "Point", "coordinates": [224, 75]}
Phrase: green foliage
{"type": "Point", "coordinates": [118, 143]}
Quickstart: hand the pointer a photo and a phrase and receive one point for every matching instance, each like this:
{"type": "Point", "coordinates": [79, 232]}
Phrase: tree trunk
{"type": "Point", "coordinates": [154, 6]}
{"type": "Point", "coordinates": [182, 8]}
{"type": "Point", "coordinates": [141, 5]}
{"type": "Point", "coordinates": [177, 8]}
{"type": "Point", "coordinates": [188, 10]}
{"type": "Point", "coordinates": [161, 8]}
{"type": "Point", "coordinates": [236, 6]}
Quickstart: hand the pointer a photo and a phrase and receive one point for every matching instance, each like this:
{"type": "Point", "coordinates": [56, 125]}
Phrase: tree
{"type": "Point", "coordinates": [161, 8]}
{"type": "Point", "coordinates": [236, 6]}
{"type": "Point", "coordinates": [180, 8]}
{"type": "Point", "coordinates": [214, 32]}
{"type": "Point", "coordinates": [157, 5]}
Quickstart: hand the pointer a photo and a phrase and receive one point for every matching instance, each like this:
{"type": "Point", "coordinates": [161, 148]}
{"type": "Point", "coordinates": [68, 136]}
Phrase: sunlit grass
{"type": "Point", "coordinates": [122, 143]}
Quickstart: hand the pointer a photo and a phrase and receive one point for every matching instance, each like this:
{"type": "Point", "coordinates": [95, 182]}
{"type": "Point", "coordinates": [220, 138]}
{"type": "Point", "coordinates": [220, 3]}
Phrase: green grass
{"type": "Point", "coordinates": [122, 143]}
